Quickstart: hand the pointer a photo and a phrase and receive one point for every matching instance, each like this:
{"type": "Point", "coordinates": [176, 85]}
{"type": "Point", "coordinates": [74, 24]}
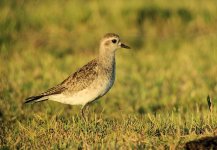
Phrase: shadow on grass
{"type": "Point", "coordinates": [203, 143]}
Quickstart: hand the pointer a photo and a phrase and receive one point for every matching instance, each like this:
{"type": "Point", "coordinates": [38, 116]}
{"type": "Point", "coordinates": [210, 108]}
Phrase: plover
{"type": "Point", "coordinates": [90, 82]}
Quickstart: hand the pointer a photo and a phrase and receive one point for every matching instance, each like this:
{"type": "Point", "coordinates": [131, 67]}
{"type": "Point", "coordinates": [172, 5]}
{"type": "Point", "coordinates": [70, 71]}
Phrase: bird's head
{"type": "Point", "coordinates": [111, 42]}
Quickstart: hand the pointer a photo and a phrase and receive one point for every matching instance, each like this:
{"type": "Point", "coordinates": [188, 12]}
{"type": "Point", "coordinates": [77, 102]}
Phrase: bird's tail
{"type": "Point", "coordinates": [36, 99]}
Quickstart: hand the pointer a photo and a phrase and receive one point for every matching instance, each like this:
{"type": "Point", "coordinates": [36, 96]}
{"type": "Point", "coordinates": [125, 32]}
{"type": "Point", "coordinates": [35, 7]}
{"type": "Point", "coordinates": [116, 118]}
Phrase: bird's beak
{"type": "Point", "coordinates": [124, 46]}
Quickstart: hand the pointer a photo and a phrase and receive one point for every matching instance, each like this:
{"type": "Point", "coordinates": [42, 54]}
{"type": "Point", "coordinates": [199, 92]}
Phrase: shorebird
{"type": "Point", "coordinates": [91, 81]}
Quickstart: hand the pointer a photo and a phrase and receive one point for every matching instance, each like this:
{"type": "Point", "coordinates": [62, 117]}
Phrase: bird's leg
{"type": "Point", "coordinates": [83, 111]}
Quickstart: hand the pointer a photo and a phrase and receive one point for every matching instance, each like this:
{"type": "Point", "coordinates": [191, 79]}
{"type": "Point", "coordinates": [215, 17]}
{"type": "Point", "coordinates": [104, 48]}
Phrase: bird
{"type": "Point", "coordinates": [90, 82]}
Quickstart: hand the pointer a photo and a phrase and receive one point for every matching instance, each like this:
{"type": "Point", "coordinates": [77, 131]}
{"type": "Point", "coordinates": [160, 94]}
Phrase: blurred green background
{"type": "Point", "coordinates": [171, 68]}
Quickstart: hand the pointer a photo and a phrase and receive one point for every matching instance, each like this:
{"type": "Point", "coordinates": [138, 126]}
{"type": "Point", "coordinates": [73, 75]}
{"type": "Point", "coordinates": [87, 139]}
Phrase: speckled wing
{"type": "Point", "coordinates": [76, 82]}
{"type": "Point", "coordinates": [81, 78]}
{"type": "Point", "coordinates": [54, 90]}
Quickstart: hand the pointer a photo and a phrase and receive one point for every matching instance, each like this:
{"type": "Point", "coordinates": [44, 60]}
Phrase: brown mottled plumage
{"type": "Point", "coordinates": [109, 35]}
{"type": "Point", "coordinates": [91, 81]}
{"type": "Point", "coordinates": [84, 76]}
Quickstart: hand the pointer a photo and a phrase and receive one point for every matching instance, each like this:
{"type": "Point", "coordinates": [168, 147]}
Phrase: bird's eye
{"type": "Point", "coordinates": [114, 41]}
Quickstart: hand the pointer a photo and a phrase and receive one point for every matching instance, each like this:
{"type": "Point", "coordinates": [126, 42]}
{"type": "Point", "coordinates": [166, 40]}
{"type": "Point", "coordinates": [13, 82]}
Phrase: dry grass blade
{"type": "Point", "coordinates": [209, 102]}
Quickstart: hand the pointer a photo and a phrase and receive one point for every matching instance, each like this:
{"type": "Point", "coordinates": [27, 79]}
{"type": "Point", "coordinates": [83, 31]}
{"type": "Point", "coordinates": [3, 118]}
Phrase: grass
{"type": "Point", "coordinates": [159, 98]}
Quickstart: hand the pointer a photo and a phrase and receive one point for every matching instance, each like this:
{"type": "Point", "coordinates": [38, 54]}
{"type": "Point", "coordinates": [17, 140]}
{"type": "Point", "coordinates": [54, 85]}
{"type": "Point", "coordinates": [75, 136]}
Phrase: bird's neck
{"type": "Point", "coordinates": [107, 59]}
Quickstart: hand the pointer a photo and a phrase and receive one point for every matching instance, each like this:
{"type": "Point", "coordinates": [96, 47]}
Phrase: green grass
{"type": "Point", "coordinates": [159, 98]}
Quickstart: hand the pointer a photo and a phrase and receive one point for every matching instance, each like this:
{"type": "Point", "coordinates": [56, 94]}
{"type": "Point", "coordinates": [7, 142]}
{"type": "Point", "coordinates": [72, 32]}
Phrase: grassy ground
{"type": "Point", "coordinates": [159, 98]}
